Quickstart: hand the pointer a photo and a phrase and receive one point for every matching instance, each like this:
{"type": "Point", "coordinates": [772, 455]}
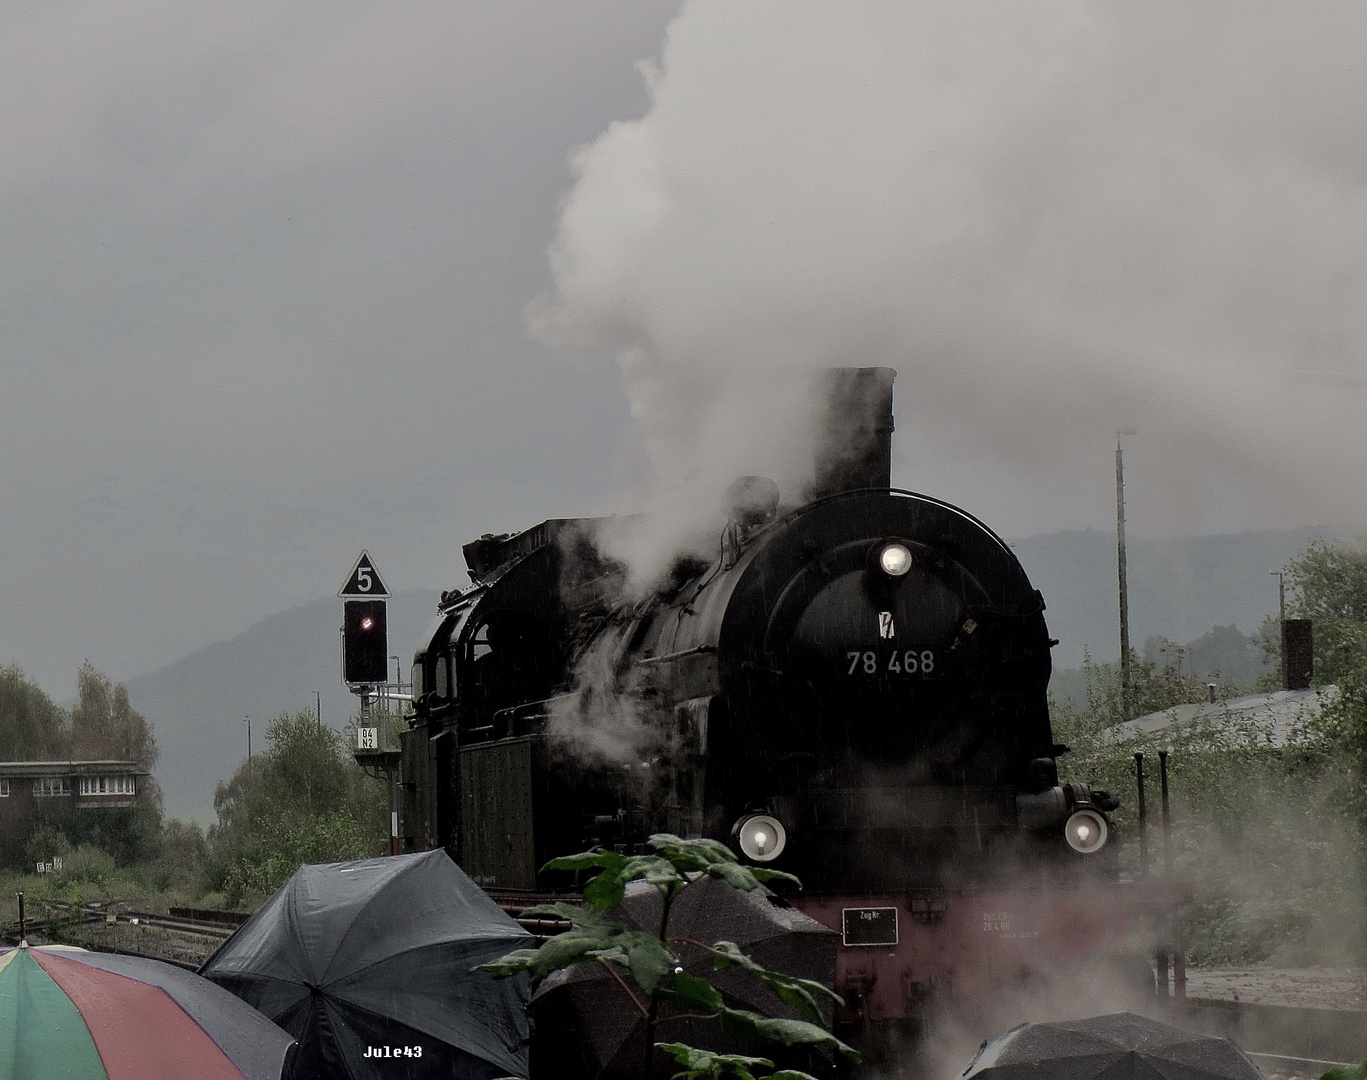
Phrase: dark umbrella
{"type": "Point", "coordinates": [79, 1015]}
{"type": "Point", "coordinates": [1120, 1046]}
{"type": "Point", "coordinates": [588, 1026]}
{"type": "Point", "coordinates": [368, 964]}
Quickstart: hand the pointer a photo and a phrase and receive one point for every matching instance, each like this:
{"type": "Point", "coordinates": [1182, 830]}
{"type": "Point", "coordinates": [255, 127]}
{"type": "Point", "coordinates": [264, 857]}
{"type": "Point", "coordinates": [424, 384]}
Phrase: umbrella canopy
{"type": "Point", "coordinates": [586, 1025]}
{"type": "Point", "coordinates": [80, 1015]}
{"type": "Point", "coordinates": [368, 964]}
{"type": "Point", "coordinates": [1119, 1046]}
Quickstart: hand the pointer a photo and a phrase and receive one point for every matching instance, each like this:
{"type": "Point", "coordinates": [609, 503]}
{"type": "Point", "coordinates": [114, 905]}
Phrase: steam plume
{"type": "Point", "coordinates": [1053, 220]}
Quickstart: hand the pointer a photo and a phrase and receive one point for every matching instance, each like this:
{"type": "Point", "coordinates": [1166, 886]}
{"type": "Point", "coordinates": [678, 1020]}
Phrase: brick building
{"type": "Point", "coordinates": [86, 786]}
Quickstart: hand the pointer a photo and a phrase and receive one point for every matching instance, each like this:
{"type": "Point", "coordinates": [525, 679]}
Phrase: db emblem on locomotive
{"type": "Point", "coordinates": [885, 629]}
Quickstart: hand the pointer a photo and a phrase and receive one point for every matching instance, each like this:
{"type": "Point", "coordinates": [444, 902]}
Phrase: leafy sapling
{"type": "Point", "coordinates": [648, 967]}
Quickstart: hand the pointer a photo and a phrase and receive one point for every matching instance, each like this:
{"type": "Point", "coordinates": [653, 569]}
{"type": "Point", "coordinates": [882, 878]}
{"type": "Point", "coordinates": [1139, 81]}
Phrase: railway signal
{"type": "Point", "coordinates": [365, 643]}
{"type": "Point", "coordinates": [365, 665]}
{"type": "Point", "coordinates": [365, 640]}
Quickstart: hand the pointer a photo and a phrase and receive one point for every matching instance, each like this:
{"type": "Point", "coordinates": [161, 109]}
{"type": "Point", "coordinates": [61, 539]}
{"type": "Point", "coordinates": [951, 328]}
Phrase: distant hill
{"type": "Point", "coordinates": [197, 703]}
{"type": "Point", "coordinates": [1180, 587]}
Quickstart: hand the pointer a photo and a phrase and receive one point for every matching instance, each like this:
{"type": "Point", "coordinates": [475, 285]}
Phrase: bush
{"type": "Point", "coordinates": [46, 843]}
{"type": "Point", "coordinates": [302, 800]}
{"type": "Point", "coordinates": [86, 864]}
{"type": "Point", "coordinates": [1270, 833]}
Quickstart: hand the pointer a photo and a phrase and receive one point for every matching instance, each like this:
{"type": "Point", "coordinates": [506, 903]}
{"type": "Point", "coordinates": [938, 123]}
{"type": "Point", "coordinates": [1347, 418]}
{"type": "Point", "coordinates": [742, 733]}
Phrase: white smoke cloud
{"type": "Point", "coordinates": [1054, 220]}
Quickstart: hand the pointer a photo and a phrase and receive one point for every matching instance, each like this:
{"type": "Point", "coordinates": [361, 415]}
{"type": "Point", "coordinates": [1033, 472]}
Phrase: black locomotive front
{"type": "Point", "coordinates": [854, 690]}
{"type": "Point", "coordinates": [881, 671]}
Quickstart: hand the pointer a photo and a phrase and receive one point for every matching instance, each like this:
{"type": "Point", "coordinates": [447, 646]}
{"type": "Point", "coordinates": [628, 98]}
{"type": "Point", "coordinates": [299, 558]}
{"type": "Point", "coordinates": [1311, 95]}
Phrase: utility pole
{"type": "Point", "coordinates": [249, 748]}
{"type": "Point", "coordinates": [318, 698]}
{"type": "Point", "coordinates": [1125, 686]}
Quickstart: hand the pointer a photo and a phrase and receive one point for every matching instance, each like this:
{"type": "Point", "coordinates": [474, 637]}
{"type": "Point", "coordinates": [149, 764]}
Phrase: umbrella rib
{"type": "Point", "coordinates": [404, 952]}
{"type": "Point", "coordinates": [622, 983]}
{"type": "Point", "coordinates": [252, 976]}
{"type": "Point", "coordinates": [355, 918]}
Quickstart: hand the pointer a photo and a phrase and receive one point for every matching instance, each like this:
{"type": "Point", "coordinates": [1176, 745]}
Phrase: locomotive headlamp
{"type": "Point", "coordinates": [895, 559]}
{"type": "Point", "coordinates": [1086, 831]}
{"type": "Point", "coordinates": [760, 837]}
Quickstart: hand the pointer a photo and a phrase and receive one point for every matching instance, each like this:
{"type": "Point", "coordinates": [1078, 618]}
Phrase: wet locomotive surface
{"type": "Point", "coordinates": [851, 687]}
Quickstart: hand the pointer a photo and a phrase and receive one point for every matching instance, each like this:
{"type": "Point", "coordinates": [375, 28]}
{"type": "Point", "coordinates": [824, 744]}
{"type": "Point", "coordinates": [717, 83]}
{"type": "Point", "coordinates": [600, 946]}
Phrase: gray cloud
{"type": "Point", "coordinates": [263, 266]}
{"type": "Point", "coordinates": [1053, 220]}
{"type": "Point", "coordinates": [261, 272]}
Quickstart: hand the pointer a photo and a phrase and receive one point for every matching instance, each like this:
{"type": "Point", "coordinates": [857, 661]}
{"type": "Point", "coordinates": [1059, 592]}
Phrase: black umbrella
{"type": "Point", "coordinates": [1119, 1046]}
{"type": "Point", "coordinates": [588, 1026]}
{"type": "Point", "coordinates": [368, 964]}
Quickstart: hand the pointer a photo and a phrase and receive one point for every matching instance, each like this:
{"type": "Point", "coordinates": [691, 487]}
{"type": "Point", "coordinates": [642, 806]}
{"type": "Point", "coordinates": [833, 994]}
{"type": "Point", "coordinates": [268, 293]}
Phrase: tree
{"type": "Point", "coordinates": [1222, 655]}
{"type": "Point", "coordinates": [1327, 582]}
{"type": "Point", "coordinates": [105, 726]}
{"type": "Point", "coordinates": [300, 800]}
{"type": "Point", "coordinates": [32, 726]}
{"type": "Point", "coordinates": [653, 963]}
{"type": "Point", "coordinates": [102, 726]}
{"type": "Point", "coordinates": [1153, 688]}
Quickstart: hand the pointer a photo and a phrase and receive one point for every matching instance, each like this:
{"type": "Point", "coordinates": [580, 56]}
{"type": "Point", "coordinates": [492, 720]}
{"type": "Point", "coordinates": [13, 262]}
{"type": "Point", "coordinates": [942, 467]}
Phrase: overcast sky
{"type": "Point", "coordinates": [266, 272]}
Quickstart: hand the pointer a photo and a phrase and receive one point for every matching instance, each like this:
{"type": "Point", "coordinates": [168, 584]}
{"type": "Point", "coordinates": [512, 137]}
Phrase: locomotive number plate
{"type": "Point", "coordinates": [913, 662]}
{"type": "Point", "coordinates": [869, 925]}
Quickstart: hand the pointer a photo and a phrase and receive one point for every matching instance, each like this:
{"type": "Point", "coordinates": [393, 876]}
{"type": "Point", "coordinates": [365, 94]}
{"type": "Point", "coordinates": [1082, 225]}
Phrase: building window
{"type": "Point", "coordinates": [4, 788]}
{"type": "Point", "coordinates": [51, 786]}
{"type": "Point", "coordinates": [107, 785]}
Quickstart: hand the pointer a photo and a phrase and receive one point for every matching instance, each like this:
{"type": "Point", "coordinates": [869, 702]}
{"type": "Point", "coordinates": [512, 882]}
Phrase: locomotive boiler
{"type": "Point", "coordinates": [852, 689]}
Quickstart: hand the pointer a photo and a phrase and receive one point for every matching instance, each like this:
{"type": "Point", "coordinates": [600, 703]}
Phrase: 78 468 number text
{"type": "Point", "coordinates": [902, 662]}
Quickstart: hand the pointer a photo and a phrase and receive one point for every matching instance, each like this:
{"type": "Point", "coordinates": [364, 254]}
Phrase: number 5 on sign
{"type": "Point", "coordinates": [367, 738]}
{"type": "Point", "coordinates": [364, 580]}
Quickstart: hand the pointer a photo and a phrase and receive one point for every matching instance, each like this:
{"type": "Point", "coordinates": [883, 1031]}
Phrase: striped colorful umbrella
{"type": "Point", "coordinates": [80, 1015]}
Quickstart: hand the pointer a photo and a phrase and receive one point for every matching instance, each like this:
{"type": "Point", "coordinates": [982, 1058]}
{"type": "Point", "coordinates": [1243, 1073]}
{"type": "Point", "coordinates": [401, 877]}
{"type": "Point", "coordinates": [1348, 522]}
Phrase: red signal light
{"type": "Point", "coordinates": [364, 651]}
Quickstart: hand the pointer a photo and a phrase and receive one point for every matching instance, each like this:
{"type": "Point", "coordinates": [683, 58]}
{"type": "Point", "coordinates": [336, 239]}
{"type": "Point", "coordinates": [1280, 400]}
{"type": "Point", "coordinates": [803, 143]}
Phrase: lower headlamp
{"type": "Point", "coordinates": [760, 837]}
{"type": "Point", "coordinates": [1086, 831]}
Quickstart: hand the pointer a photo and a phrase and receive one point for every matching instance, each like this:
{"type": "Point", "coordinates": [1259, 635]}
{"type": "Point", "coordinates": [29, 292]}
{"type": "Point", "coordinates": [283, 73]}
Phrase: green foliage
{"type": "Point", "coordinates": [1327, 583]}
{"type": "Point", "coordinates": [45, 843]}
{"type": "Point", "coordinates": [1222, 655]}
{"type": "Point", "coordinates": [705, 1065]}
{"type": "Point", "coordinates": [801, 994]}
{"type": "Point", "coordinates": [1343, 721]}
{"type": "Point", "coordinates": [87, 864]}
{"type": "Point", "coordinates": [32, 726]}
{"type": "Point", "coordinates": [1347, 1072]}
{"type": "Point", "coordinates": [1154, 687]}
{"type": "Point", "coordinates": [654, 965]}
{"type": "Point", "coordinates": [1272, 835]}
{"type": "Point", "coordinates": [104, 724]}
{"type": "Point", "coordinates": [301, 800]}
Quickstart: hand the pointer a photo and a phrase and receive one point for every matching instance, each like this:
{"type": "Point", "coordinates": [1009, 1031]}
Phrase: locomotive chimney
{"type": "Point", "coordinates": [853, 430]}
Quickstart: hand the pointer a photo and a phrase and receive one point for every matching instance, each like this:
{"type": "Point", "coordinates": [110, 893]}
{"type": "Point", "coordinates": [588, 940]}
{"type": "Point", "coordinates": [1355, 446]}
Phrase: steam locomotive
{"type": "Point", "coordinates": [853, 690]}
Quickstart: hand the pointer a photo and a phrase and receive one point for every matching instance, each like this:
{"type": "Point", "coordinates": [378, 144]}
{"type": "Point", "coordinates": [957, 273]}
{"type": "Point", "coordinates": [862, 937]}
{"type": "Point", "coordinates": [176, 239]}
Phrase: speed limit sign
{"type": "Point", "coordinates": [364, 581]}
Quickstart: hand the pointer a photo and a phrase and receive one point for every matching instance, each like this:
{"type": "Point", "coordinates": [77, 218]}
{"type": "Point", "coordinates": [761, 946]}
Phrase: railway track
{"type": "Point", "coordinates": [1283, 1041]}
{"type": "Point", "coordinates": [120, 928]}
{"type": "Point", "coordinates": [182, 936]}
